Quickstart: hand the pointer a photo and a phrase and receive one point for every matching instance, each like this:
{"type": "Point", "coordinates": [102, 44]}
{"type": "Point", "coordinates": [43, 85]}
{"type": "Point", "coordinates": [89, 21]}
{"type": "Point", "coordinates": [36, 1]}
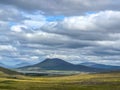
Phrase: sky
{"type": "Point", "coordinates": [74, 30]}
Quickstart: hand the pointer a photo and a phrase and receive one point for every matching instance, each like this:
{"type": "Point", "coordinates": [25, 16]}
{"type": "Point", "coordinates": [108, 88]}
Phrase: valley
{"type": "Point", "coordinates": [101, 81]}
{"type": "Point", "coordinates": [56, 74]}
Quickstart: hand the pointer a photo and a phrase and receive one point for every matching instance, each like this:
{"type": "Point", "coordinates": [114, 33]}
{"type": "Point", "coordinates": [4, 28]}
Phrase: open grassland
{"type": "Point", "coordinates": [105, 81]}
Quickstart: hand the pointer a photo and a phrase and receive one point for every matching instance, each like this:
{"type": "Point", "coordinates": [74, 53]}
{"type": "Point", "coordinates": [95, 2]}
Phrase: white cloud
{"type": "Point", "coordinates": [34, 57]}
{"type": "Point", "coordinates": [34, 24]}
{"type": "Point", "coordinates": [18, 28]}
{"type": "Point", "coordinates": [7, 48]}
{"type": "Point", "coordinates": [101, 21]}
{"type": "Point", "coordinates": [78, 23]}
{"type": "Point", "coordinates": [35, 21]}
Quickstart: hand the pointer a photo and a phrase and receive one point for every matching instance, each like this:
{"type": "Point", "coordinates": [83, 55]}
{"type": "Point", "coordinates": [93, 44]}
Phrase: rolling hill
{"type": "Point", "coordinates": [8, 71]}
{"type": "Point", "coordinates": [100, 66]}
{"type": "Point", "coordinates": [59, 64]}
{"type": "Point", "coordinates": [101, 81]}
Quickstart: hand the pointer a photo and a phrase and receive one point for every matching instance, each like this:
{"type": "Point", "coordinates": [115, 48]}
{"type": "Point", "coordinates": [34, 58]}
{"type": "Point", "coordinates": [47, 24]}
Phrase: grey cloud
{"type": "Point", "coordinates": [50, 39]}
{"type": "Point", "coordinates": [93, 37]}
{"type": "Point", "coordinates": [95, 42]}
{"type": "Point", "coordinates": [9, 13]}
{"type": "Point", "coordinates": [102, 26]}
{"type": "Point", "coordinates": [66, 7]}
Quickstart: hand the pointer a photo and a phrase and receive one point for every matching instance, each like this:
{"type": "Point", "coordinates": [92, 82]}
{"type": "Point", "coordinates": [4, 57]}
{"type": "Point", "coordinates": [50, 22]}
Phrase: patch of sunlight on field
{"type": "Point", "coordinates": [106, 81]}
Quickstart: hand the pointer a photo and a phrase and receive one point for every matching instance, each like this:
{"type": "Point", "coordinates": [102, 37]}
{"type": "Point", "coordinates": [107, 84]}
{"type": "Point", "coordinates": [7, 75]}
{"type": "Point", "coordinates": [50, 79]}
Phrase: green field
{"type": "Point", "coordinates": [106, 81]}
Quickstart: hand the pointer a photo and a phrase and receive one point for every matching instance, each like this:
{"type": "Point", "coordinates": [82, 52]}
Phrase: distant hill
{"type": "Point", "coordinates": [59, 64]}
{"type": "Point", "coordinates": [8, 71]}
{"type": "Point", "coordinates": [100, 66]}
{"type": "Point", "coordinates": [20, 64]}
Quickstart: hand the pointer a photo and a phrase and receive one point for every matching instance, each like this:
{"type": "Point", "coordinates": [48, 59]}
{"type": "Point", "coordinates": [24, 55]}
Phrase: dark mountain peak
{"type": "Point", "coordinates": [54, 60]}
{"type": "Point", "coordinates": [53, 64]}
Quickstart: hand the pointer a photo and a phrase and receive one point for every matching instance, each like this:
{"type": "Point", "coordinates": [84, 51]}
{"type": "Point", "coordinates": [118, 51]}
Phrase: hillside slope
{"type": "Point", "coordinates": [8, 71]}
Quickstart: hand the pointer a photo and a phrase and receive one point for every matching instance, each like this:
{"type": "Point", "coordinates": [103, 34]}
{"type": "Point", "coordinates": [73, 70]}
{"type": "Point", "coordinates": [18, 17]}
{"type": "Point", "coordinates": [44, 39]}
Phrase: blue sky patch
{"type": "Point", "coordinates": [55, 18]}
{"type": "Point", "coordinates": [12, 24]}
{"type": "Point", "coordinates": [90, 12]}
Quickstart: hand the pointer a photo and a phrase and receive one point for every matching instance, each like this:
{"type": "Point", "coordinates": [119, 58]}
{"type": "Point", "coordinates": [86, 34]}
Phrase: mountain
{"type": "Point", "coordinates": [59, 64]}
{"type": "Point", "coordinates": [17, 65]}
{"type": "Point", "coordinates": [100, 66]}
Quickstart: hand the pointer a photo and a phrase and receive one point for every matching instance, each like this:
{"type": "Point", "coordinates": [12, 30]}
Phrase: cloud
{"type": "Point", "coordinates": [7, 48]}
{"type": "Point", "coordinates": [18, 28]}
{"type": "Point", "coordinates": [86, 36]}
{"type": "Point", "coordinates": [74, 30]}
{"type": "Point", "coordinates": [101, 26]}
{"type": "Point", "coordinates": [9, 13]}
{"type": "Point", "coordinates": [93, 22]}
{"type": "Point", "coordinates": [64, 7]}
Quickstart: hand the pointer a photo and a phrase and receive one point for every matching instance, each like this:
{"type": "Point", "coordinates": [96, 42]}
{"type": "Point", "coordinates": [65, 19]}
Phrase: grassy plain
{"type": "Point", "coordinates": [104, 81]}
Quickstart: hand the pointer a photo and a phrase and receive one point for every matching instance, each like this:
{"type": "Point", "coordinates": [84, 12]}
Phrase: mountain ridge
{"type": "Point", "coordinates": [101, 66]}
{"type": "Point", "coordinates": [59, 64]}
